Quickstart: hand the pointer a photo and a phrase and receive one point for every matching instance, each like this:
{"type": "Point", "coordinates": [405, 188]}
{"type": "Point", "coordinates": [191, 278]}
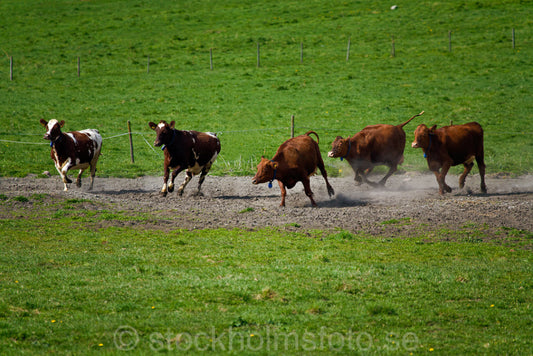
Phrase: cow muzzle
{"type": "Point", "coordinates": [254, 181]}
{"type": "Point", "coordinates": [414, 144]}
{"type": "Point", "coordinates": [331, 154]}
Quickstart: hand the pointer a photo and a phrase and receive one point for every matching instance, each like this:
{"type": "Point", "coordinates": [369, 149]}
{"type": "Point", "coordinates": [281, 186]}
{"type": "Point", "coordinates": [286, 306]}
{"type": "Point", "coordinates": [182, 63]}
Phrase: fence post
{"type": "Point", "coordinates": [301, 52]}
{"type": "Point", "coordinates": [513, 39]}
{"type": "Point", "coordinates": [131, 142]}
{"type": "Point", "coordinates": [11, 68]}
{"type": "Point", "coordinates": [292, 126]}
{"type": "Point", "coordinates": [211, 58]}
{"type": "Point", "coordinates": [348, 50]}
{"type": "Point", "coordinates": [393, 51]}
{"type": "Point", "coordinates": [79, 66]}
{"type": "Point", "coordinates": [258, 56]}
{"type": "Point", "coordinates": [148, 65]}
{"type": "Point", "coordinates": [450, 41]}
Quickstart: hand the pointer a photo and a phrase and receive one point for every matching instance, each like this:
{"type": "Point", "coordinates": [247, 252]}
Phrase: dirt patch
{"type": "Point", "coordinates": [408, 205]}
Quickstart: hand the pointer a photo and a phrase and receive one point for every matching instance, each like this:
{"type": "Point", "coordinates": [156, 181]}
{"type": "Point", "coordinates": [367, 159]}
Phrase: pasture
{"type": "Point", "coordinates": [401, 271]}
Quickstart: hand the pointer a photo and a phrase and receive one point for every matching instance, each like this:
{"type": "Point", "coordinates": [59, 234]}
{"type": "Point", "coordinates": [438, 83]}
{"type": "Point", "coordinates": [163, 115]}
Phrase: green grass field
{"type": "Point", "coordinates": [69, 287]}
{"type": "Point", "coordinates": [70, 284]}
{"type": "Point", "coordinates": [482, 79]}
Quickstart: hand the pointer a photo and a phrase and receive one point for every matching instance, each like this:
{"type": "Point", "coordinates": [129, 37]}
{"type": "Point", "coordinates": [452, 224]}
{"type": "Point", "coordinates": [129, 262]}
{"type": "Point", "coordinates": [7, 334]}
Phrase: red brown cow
{"type": "Point", "coordinates": [191, 150]}
{"type": "Point", "coordinates": [451, 146]}
{"type": "Point", "coordinates": [73, 150]}
{"type": "Point", "coordinates": [295, 160]}
{"type": "Point", "coordinates": [372, 146]}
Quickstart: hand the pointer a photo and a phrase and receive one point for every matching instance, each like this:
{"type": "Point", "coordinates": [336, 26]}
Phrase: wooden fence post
{"type": "Point", "coordinates": [513, 39]}
{"type": "Point", "coordinates": [450, 41]}
{"type": "Point", "coordinates": [292, 126]}
{"type": "Point", "coordinates": [258, 56]}
{"type": "Point", "coordinates": [131, 142]}
{"type": "Point", "coordinates": [211, 58]}
{"type": "Point", "coordinates": [11, 68]}
{"type": "Point", "coordinates": [301, 52]}
{"type": "Point", "coordinates": [393, 50]}
{"type": "Point", "coordinates": [148, 65]}
{"type": "Point", "coordinates": [79, 66]}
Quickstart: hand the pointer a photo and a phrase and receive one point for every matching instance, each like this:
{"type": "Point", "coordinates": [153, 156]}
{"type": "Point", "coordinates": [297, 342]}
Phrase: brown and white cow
{"type": "Point", "coordinates": [450, 146]}
{"type": "Point", "coordinates": [295, 160]}
{"type": "Point", "coordinates": [372, 146]}
{"type": "Point", "coordinates": [73, 150]}
{"type": "Point", "coordinates": [191, 150]}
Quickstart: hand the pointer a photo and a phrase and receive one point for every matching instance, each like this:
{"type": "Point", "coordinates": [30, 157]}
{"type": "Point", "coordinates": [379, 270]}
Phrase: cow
{"type": "Point", "coordinates": [73, 150]}
{"type": "Point", "coordinates": [450, 146]}
{"type": "Point", "coordinates": [295, 160]}
{"type": "Point", "coordinates": [372, 146]}
{"type": "Point", "coordinates": [191, 150]}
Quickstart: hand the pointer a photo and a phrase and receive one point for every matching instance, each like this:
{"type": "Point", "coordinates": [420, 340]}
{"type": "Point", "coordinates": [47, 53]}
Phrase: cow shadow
{"type": "Point", "coordinates": [342, 201]}
{"type": "Point", "coordinates": [245, 197]}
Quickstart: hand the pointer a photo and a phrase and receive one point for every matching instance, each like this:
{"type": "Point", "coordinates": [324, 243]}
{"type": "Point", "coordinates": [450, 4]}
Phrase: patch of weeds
{"type": "Point", "coordinates": [239, 322]}
{"type": "Point", "coordinates": [293, 225]}
{"type": "Point", "coordinates": [247, 210]}
{"type": "Point", "coordinates": [512, 232]}
{"type": "Point", "coordinates": [402, 221]}
{"type": "Point", "coordinates": [266, 294]}
{"type": "Point", "coordinates": [3, 197]}
{"type": "Point", "coordinates": [21, 199]}
{"type": "Point", "coordinates": [39, 197]}
{"type": "Point", "coordinates": [76, 201]}
{"type": "Point", "coordinates": [343, 235]}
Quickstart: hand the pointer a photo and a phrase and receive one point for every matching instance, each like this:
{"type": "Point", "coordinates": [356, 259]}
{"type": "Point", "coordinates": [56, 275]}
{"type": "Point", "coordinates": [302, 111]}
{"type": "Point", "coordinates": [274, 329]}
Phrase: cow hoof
{"type": "Point", "coordinates": [170, 188]}
{"type": "Point", "coordinates": [163, 194]}
{"type": "Point", "coordinates": [78, 184]}
{"type": "Point", "coordinates": [68, 180]}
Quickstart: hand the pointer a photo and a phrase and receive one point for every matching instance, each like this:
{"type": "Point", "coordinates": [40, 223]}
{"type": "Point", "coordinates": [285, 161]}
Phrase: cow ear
{"type": "Point", "coordinates": [275, 165]}
{"type": "Point", "coordinates": [43, 122]}
{"type": "Point", "coordinates": [432, 129]}
{"type": "Point", "coordinates": [62, 123]}
{"type": "Point", "coordinates": [172, 123]}
{"type": "Point", "coordinates": [152, 125]}
{"type": "Point", "coordinates": [338, 138]}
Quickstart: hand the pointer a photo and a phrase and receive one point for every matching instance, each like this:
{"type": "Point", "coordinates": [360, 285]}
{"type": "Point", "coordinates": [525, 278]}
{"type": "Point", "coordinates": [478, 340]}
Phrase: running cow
{"type": "Point", "coordinates": [295, 160]}
{"type": "Point", "coordinates": [451, 146]}
{"type": "Point", "coordinates": [372, 146]}
{"type": "Point", "coordinates": [73, 150]}
{"type": "Point", "coordinates": [191, 150]}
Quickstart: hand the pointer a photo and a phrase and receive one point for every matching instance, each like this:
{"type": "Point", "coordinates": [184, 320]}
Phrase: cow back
{"type": "Point", "coordinates": [461, 141]}
{"type": "Point", "coordinates": [378, 143]}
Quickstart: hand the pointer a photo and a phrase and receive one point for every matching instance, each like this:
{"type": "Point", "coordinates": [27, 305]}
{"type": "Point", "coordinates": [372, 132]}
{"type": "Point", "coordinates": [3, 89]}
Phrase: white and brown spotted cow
{"type": "Point", "coordinates": [191, 150]}
{"type": "Point", "coordinates": [73, 150]}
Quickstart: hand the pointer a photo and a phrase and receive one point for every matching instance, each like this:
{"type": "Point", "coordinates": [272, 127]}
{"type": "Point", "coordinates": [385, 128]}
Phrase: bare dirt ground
{"type": "Point", "coordinates": [409, 204]}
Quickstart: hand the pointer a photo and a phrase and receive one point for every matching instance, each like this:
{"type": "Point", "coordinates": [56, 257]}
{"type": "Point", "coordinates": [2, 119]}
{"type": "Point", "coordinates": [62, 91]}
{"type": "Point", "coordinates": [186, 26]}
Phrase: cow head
{"type": "Point", "coordinates": [164, 132]}
{"type": "Point", "coordinates": [53, 129]}
{"type": "Point", "coordinates": [265, 171]}
{"type": "Point", "coordinates": [339, 147]}
{"type": "Point", "coordinates": [422, 134]}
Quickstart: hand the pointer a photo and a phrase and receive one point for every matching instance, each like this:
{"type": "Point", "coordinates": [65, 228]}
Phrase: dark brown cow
{"type": "Point", "coordinates": [372, 146]}
{"type": "Point", "coordinates": [295, 160]}
{"type": "Point", "coordinates": [191, 150]}
{"type": "Point", "coordinates": [451, 146]}
{"type": "Point", "coordinates": [73, 150]}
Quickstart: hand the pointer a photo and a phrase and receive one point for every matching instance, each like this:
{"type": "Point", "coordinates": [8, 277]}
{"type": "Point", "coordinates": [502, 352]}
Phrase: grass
{"type": "Point", "coordinates": [71, 287]}
{"type": "Point", "coordinates": [482, 79]}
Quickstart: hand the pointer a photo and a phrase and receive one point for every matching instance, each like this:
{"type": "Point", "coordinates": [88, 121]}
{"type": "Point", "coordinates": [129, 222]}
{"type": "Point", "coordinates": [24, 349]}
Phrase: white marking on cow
{"type": "Point", "coordinates": [212, 134]}
{"type": "Point", "coordinates": [72, 137]}
{"type": "Point", "coordinates": [161, 125]}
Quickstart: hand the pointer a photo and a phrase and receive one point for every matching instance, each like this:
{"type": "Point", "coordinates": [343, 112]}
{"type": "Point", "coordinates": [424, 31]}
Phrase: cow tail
{"type": "Point", "coordinates": [405, 123]}
{"type": "Point", "coordinates": [314, 133]}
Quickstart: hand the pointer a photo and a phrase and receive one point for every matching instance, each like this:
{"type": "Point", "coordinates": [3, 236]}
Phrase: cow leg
{"type": "Point", "coordinates": [93, 173]}
{"type": "Point", "coordinates": [188, 178]}
{"type": "Point", "coordinates": [392, 168]}
{"type": "Point", "coordinates": [359, 172]}
{"type": "Point", "coordinates": [325, 175]}
{"type": "Point", "coordinates": [164, 190]}
{"type": "Point", "coordinates": [172, 179]}
{"type": "Point", "coordinates": [202, 177]}
{"type": "Point", "coordinates": [307, 189]}
{"type": "Point", "coordinates": [283, 192]}
{"type": "Point", "coordinates": [78, 179]}
{"type": "Point", "coordinates": [462, 178]}
{"type": "Point", "coordinates": [443, 187]}
{"type": "Point", "coordinates": [62, 170]}
{"type": "Point", "coordinates": [481, 166]}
